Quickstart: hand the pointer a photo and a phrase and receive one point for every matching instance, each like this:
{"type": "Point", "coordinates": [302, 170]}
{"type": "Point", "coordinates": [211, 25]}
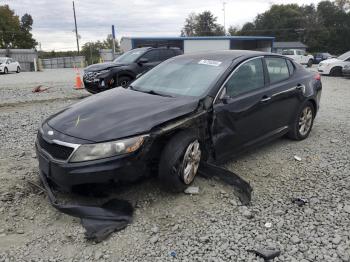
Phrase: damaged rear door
{"type": "Point", "coordinates": [239, 109]}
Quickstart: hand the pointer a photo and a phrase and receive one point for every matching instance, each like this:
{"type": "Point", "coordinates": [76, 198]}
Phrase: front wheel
{"type": "Point", "coordinates": [303, 122]}
{"type": "Point", "coordinates": [310, 62]}
{"type": "Point", "coordinates": [123, 81]}
{"type": "Point", "coordinates": [18, 70]}
{"type": "Point", "coordinates": [336, 71]}
{"type": "Point", "coordinates": [179, 161]}
{"type": "Point", "coordinates": [6, 71]}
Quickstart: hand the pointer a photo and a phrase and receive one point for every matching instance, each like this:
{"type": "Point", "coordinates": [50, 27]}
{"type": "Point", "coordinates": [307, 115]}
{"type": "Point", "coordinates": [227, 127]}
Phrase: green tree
{"type": "Point", "coordinates": [108, 43]}
{"type": "Point", "coordinates": [203, 24]}
{"type": "Point", "coordinates": [15, 33]}
{"type": "Point", "coordinates": [91, 50]}
{"type": "Point", "coordinates": [322, 28]}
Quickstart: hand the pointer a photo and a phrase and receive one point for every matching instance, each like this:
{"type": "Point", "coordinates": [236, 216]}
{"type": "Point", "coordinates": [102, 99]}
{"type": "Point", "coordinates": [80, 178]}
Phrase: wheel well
{"type": "Point", "coordinates": [313, 102]}
{"type": "Point", "coordinates": [335, 68]}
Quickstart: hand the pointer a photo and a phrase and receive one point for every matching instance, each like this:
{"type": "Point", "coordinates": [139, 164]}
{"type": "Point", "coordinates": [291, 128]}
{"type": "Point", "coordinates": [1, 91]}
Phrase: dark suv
{"type": "Point", "coordinates": [125, 68]}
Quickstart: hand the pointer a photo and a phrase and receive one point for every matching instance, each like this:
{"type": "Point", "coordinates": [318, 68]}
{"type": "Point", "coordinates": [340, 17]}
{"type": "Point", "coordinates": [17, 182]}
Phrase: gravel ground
{"type": "Point", "coordinates": [210, 226]}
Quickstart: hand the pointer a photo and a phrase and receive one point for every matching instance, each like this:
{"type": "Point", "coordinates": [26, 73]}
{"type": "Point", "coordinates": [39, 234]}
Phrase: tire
{"type": "Point", "coordinates": [310, 63]}
{"type": "Point", "coordinates": [296, 132]}
{"type": "Point", "coordinates": [336, 71]}
{"type": "Point", "coordinates": [18, 70]}
{"type": "Point", "coordinates": [123, 81]}
{"type": "Point", "coordinates": [172, 164]}
{"type": "Point", "coordinates": [6, 71]}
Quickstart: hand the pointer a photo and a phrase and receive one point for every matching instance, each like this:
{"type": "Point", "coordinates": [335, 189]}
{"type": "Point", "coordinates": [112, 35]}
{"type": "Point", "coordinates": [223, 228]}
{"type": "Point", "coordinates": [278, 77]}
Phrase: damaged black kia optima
{"type": "Point", "coordinates": [191, 108]}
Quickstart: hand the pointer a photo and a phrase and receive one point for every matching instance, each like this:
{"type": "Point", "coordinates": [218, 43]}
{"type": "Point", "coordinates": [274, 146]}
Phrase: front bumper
{"type": "Point", "coordinates": [66, 175]}
{"type": "Point", "coordinates": [346, 72]}
{"type": "Point", "coordinates": [95, 84]}
{"type": "Point", "coordinates": [323, 69]}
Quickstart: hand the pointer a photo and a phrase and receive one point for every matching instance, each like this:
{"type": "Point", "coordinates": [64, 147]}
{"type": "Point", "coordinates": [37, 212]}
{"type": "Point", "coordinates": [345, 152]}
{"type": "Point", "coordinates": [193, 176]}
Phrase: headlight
{"type": "Point", "coordinates": [102, 72]}
{"type": "Point", "coordinates": [103, 150]}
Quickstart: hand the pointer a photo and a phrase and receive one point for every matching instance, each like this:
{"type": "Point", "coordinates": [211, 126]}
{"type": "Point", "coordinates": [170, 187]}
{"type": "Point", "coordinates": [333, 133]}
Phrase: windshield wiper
{"type": "Point", "coordinates": [151, 92]}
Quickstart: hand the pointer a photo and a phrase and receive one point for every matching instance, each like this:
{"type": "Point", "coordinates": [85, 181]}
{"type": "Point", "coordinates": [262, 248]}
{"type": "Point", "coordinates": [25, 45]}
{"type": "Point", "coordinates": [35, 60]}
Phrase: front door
{"type": "Point", "coordinates": [153, 59]}
{"type": "Point", "coordinates": [239, 111]}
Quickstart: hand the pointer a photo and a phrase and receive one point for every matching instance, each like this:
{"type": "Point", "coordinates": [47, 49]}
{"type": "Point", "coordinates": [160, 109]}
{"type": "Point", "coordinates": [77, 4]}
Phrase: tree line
{"type": "Point", "coordinates": [15, 32]}
{"type": "Point", "coordinates": [325, 27]}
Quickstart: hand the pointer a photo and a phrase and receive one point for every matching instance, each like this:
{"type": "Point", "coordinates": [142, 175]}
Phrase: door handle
{"type": "Point", "coordinates": [265, 99]}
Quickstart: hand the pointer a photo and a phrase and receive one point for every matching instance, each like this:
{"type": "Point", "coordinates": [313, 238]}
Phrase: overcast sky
{"type": "Point", "coordinates": [53, 20]}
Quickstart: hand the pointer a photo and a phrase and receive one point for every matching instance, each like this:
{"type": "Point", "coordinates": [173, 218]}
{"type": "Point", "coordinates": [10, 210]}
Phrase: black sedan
{"type": "Point", "coordinates": [191, 108]}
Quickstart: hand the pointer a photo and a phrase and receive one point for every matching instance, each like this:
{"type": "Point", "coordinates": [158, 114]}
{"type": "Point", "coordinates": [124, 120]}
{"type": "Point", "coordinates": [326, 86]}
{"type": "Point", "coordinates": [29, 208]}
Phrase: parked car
{"type": "Point", "coordinates": [125, 68]}
{"type": "Point", "coordinates": [7, 65]}
{"type": "Point", "coordinates": [200, 107]}
{"type": "Point", "coordinates": [319, 57]}
{"type": "Point", "coordinates": [299, 56]}
{"type": "Point", "coordinates": [334, 66]}
{"type": "Point", "coordinates": [346, 70]}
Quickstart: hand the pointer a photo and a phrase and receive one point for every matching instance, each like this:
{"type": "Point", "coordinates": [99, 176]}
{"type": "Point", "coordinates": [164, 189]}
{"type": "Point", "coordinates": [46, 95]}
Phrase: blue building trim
{"type": "Point", "coordinates": [205, 38]}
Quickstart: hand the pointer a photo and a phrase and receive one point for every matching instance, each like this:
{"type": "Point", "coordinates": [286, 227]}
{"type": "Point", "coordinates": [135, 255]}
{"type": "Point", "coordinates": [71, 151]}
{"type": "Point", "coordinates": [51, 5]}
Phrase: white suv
{"type": "Point", "coordinates": [9, 65]}
{"type": "Point", "coordinates": [299, 56]}
{"type": "Point", "coordinates": [334, 66]}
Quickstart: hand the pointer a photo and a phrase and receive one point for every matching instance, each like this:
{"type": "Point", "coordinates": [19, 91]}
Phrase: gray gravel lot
{"type": "Point", "coordinates": [210, 226]}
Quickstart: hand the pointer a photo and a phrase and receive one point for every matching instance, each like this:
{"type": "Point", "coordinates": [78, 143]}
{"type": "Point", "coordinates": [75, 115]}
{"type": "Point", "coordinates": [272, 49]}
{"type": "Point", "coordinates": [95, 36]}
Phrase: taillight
{"type": "Point", "coordinates": [318, 77]}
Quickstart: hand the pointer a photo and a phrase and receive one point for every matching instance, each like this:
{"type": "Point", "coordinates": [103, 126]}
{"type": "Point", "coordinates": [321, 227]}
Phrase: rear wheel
{"type": "Point", "coordinates": [179, 161]}
{"type": "Point", "coordinates": [124, 81]}
{"type": "Point", "coordinates": [18, 70]}
{"type": "Point", "coordinates": [336, 71]}
{"type": "Point", "coordinates": [303, 122]}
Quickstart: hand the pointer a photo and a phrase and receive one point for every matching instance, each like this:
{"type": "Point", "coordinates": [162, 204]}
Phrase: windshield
{"type": "Point", "coordinates": [130, 56]}
{"type": "Point", "coordinates": [344, 56]}
{"type": "Point", "coordinates": [187, 77]}
{"type": "Point", "coordinates": [2, 60]}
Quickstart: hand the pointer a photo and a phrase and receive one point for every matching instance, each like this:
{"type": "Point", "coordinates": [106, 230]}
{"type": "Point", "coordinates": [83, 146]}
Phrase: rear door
{"type": "Point", "coordinates": [284, 91]}
{"type": "Point", "coordinates": [239, 110]}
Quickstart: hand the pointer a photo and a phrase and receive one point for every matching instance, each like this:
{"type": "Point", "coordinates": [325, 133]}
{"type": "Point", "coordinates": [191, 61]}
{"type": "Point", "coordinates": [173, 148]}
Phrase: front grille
{"type": "Point", "coordinates": [56, 151]}
{"type": "Point", "coordinates": [90, 76]}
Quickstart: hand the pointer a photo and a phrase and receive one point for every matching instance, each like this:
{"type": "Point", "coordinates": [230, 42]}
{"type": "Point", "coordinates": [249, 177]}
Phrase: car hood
{"type": "Point", "coordinates": [119, 113]}
{"type": "Point", "coordinates": [102, 66]}
{"type": "Point", "coordinates": [331, 60]}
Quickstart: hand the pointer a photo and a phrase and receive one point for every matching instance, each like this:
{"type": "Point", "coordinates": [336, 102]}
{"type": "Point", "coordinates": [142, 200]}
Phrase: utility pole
{"type": "Point", "coordinates": [113, 37]}
{"type": "Point", "coordinates": [76, 28]}
{"type": "Point", "coordinates": [224, 10]}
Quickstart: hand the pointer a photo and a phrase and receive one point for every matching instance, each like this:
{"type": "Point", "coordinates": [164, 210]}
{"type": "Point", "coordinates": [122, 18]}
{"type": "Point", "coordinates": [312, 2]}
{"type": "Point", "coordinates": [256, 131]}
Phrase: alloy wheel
{"type": "Point", "coordinates": [305, 121]}
{"type": "Point", "coordinates": [191, 162]}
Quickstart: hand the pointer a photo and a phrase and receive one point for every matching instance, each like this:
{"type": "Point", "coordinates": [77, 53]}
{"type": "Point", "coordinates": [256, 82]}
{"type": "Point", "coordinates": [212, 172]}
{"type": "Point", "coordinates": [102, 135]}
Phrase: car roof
{"type": "Point", "coordinates": [226, 55]}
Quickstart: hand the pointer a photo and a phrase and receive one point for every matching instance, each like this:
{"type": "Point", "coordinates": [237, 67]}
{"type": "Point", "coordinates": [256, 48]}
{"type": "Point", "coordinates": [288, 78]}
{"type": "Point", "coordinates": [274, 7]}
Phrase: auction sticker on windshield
{"type": "Point", "coordinates": [209, 62]}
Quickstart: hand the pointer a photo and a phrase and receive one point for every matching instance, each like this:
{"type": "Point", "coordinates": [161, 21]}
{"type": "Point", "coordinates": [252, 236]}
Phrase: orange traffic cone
{"type": "Point", "coordinates": [78, 82]}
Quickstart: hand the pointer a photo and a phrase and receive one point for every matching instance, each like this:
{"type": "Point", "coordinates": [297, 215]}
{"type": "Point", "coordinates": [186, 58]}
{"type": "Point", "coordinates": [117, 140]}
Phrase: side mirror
{"type": "Point", "coordinates": [142, 61]}
{"type": "Point", "coordinates": [224, 97]}
{"type": "Point", "coordinates": [305, 54]}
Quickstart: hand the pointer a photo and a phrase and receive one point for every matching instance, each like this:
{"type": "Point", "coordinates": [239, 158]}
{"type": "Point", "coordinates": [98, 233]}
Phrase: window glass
{"type": "Point", "coordinates": [288, 52]}
{"type": "Point", "coordinates": [249, 76]}
{"type": "Point", "coordinates": [290, 67]}
{"type": "Point", "coordinates": [165, 54]}
{"type": "Point", "coordinates": [277, 69]}
{"type": "Point", "coordinates": [187, 77]}
{"type": "Point", "coordinates": [152, 56]}
{"type": "Point", "coordinates": [130, 56]}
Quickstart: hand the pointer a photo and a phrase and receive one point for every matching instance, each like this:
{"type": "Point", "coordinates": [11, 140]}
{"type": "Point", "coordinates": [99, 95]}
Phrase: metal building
{"type": "Point", "coordinates": [199, 44]}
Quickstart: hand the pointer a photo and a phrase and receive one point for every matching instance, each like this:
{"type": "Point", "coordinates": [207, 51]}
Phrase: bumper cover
{"type": "Point", "coordinates": [66, 175]}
